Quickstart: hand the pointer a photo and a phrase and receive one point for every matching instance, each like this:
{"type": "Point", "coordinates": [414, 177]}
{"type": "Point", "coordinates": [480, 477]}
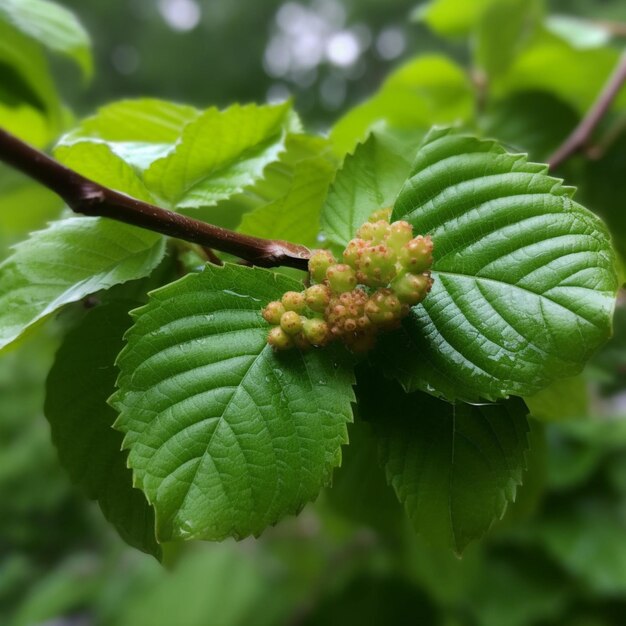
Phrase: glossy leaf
{"type": "Point", "coordinates": [368, 180]}
{"type": "Point", "coordinates": [225, 436]}
{"type": "Point", "coordinates": [219, 154]}
{"type": "Point", "coordinates": [67, 261]}
{"type": "Point", "coordinates": [453, 467]}
{"type": "Point", "coordinates": [80, 381]}
{"type": "Point", "coordinates": [51, 25]}
{"type": "Point", "coordinates": [524, 277]}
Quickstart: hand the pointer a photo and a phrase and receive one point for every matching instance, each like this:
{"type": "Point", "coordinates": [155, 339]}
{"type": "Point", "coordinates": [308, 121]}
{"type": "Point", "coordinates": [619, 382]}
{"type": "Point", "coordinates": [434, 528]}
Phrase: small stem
{"type": "Point", "coordinates": [582, 133]}
{"type": "Point", "coordinates": [211, 256]}
{"type": "Point", "coordinates": [85, 196]}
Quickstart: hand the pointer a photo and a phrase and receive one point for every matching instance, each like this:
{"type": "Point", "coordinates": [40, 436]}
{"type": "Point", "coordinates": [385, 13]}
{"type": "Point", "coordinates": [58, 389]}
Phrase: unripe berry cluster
{"type": "Point", "coordinates": [385, 271]}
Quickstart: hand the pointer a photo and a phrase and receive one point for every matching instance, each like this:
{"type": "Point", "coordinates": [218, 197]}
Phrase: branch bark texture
{"type": "Point", "coordinates": [85, 196]}
{"type": "Point", "coordinates": [582, 133]}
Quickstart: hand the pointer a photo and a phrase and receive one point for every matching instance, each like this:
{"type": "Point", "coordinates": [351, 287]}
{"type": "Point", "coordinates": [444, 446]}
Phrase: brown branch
{"type": "Point", "coordinates": [582, 133]}
{"type": "Point", "coordinates": [85, 196]}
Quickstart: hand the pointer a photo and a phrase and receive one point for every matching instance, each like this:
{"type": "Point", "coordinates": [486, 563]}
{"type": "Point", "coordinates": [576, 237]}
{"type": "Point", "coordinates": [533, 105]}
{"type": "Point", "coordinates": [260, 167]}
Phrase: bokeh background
{"type": "Point", "coordinates": [559, 556]}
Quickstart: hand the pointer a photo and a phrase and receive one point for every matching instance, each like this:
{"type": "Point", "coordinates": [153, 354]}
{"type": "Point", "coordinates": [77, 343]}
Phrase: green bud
{"type": "Point", "coordinates": [417, 255]}
{"type": "Point", "coordinates": [341, 277]}
{"type": "Point", "coordinates": [377, 266]}
{"type": "Point", "coordinates": [384, 307]}
{"type": "Point", "coordinates": [400, 233]}
{"type": "Point", "coordinates": [319, 262]}
{"type": "Point", "coordinates": [279, 339]}
{"type": "Point", "coordinates": [354, 251]}
{"type": "Point", "coordinates": [294, 301]}
{"type": "Point", "coordinates": [291, 322]}
{"type": "Point", "coordinates": [380, 214]}
{"type": "Point", "coordinates": [316, 331]}
{"type": "Point", "coordinates": [273, 312]}
{"type": "Point", "coordinates": [375, 232]}
{"type": "Point", "coordinates": [412, 288]}
{"type": "Point", "coordinates": [317, 297]}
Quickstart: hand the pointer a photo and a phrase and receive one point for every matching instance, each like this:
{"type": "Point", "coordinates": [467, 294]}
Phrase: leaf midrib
{"type": "Point", "coordinates": [515, 286]}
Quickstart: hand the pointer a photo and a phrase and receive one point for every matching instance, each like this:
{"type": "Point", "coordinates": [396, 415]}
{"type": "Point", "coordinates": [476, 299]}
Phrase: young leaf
{"type": "Point", "coordinates": [219, 154]}
{"type": "Point", "coordinates": [80, 381]}
{"type": "Point", "coordinates": [144, 120]}
{"type": "Point", "coordinates": [137, 131]}
{"type": "Point", "coordinates": [272, 189]}
{"type": "Point", "coordinates": [295, 216]}
{"type": "Point", "coordinates": [226, 436]}
{"type": "Point", "coordinates": [52, 26]}
{"type": "Point", "coordinates": [98, 162]}
{"type": "Point", "coordinates": [368, 180]}
{"type": "Point", "coordinates": [524, 276]}
{"type": "Point", "coordinates": [67, 261]}
{"type": "Point", "coordinates": [455, 467]}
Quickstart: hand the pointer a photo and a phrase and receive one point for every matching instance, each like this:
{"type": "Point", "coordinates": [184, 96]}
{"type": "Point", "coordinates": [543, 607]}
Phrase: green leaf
{"type": "Point", "coordinates": [80, 381]}
{"type": "Point", "coordinates": [18, 192]}
{"type": "Point", "coordinates": [524, 277]}
{"type": "Point", "coordinates": [369, 179]}
{"type": "Point", "coordinates": [31, 107]}
{"type": "Point", "coordinates": [67, 261]}
{"type": "Point", "coordinates": [564, 399]}
{"type": "Point", "coordinates": [294, 216]}
{"type": "Point", "coordinates": [359, 491]}
{"type": "Point", "coordinates": [52, 26]}
{"type": "Point", "coordinates": [138, 131]}
{"type": "Point", "coordinates": [141, 120]}
{"type": "Point", "coordinates": [453, 467]}
{"type": "Point", "coordinates": [220, 153]}
{"type": "Point", "coordinates": [502, 31]}
{"type": "Point", "coordinates": [530, 121]}
{"type": "Point", "coordinates": [276, 183]}
{"type": "Point", "coordinates": [220, 584]}
{"type": "Point", "coordinates": [428, 90]}
{"type": "Point", "coordinates": [602, 181]}
{"type": "Point", "coordinates": [98, 162]}
{"type": "Point", "coordinates": [586, 538]}
{"type": "Point", "coordinates": [452, 18]}
{"type": "Point", "coordinates": [579, 33]}
{"type": "Point", "coordinates": [225, 436]}
{"type": "Point", "coordinates": [551, 64]}
{"type": "Point", "coordinates": [578, 449]}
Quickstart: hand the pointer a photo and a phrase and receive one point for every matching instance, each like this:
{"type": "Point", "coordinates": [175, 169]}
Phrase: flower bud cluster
{"type": "Point", "coordinates": [384, 271]}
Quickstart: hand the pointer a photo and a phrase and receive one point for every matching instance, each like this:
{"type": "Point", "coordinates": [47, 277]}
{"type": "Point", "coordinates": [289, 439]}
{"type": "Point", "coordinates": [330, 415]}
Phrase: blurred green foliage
{"type": "Point", "coordinates": [559, 555]}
